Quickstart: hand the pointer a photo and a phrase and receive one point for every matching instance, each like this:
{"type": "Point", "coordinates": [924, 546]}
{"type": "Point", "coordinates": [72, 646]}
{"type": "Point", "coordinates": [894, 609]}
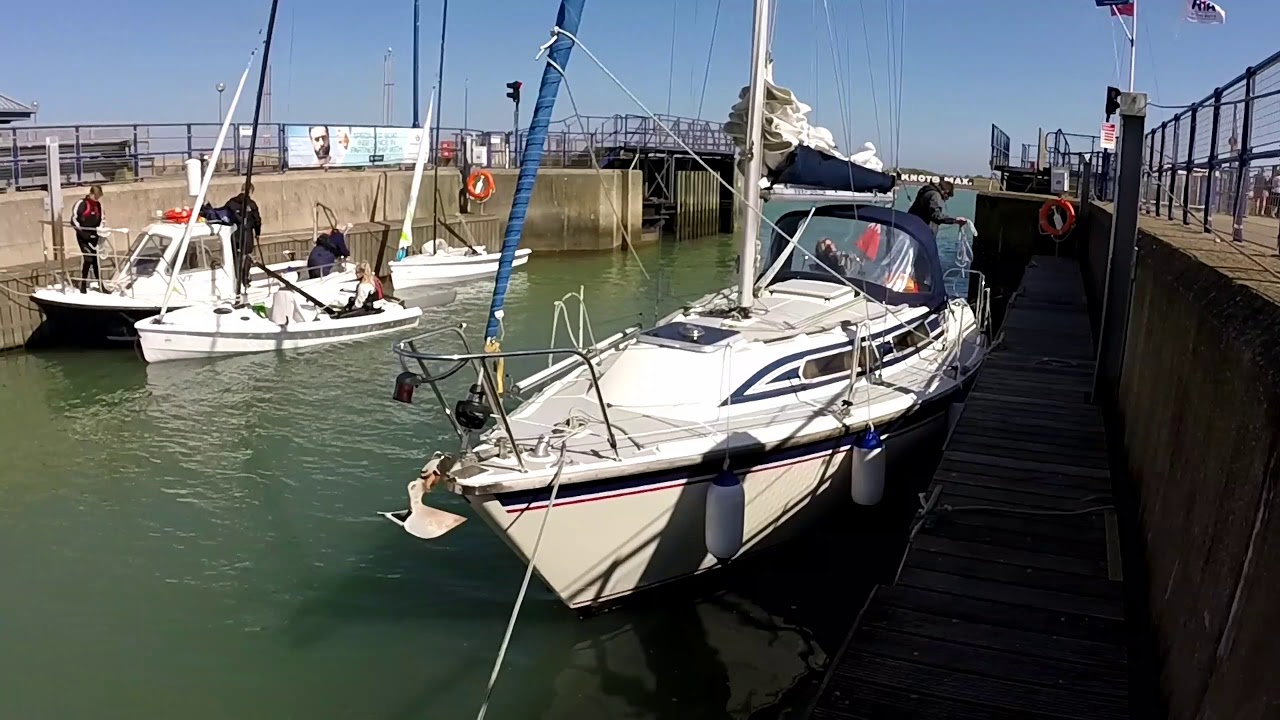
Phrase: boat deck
{"type": "Point", "coordinates": [1016, 612]}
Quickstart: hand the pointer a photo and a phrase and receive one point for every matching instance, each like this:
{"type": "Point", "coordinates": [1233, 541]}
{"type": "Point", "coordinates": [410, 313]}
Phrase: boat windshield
{"type": "Point", "coordinates": [148, 254]}
{"type": "Point", "coordinates": [856, 250]}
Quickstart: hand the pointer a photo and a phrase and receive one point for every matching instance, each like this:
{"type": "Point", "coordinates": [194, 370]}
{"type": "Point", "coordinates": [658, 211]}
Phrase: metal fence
{"type": "Point", "coordinates": [999, 148]}
{"type": "Point", "coordinates": [1220, 155]}
{"type": "Point", "coordinates": [128, 153]}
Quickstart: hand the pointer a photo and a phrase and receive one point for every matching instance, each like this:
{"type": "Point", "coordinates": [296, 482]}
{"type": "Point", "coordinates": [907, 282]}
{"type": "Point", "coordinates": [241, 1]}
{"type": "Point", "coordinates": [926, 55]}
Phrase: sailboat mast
{"type": "Point", "coordinates": [755, 157]}
{"type": "Point", "coordinates": [241, 246]}
{"type": "Point", "coordinates": [1133, 45]}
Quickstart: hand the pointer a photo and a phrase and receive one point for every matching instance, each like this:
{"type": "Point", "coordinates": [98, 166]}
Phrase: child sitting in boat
{"type": "Point", "coordinates": [368, 296]}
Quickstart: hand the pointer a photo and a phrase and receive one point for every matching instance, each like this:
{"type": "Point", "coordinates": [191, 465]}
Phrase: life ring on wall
{"type": "Point", "coordinates": [480, 185]}
{"type": "Point", "coordinates": [1057, 218]}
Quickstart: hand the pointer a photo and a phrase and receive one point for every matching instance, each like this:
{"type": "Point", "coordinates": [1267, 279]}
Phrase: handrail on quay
{"type": "Point", "coordinates": [93, 154]}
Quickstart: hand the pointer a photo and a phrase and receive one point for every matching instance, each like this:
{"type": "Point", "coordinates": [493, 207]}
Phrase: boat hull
{"type": "Point", "coordinates": [165, 343]}
{"type": "Point", "coordinates": [423, 270]}
{"type": "Point", "coordinates": [84, 325]}
{"type": "Point", "coordinates": [649, 529]}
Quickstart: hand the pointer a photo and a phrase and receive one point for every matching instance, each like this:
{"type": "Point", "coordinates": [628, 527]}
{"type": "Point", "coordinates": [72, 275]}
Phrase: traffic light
{"type": "Point", "coordinates": [513, 91]}
{"type": "Point", "coordinates": [1113, 101]}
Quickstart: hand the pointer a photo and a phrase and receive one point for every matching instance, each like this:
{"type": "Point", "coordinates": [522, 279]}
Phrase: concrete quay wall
{"type": "Point", "coordinates": [571, 209]}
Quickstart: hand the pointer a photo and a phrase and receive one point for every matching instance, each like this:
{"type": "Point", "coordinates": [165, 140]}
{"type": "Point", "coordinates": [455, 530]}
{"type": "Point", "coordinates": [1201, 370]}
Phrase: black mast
{"type": "Point", "coordinates": [243, 246]}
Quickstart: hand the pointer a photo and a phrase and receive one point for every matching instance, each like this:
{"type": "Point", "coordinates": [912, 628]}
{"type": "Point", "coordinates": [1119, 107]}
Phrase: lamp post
{"type": "Point", "coordinates": [220, 87]}
{"type": "Point", "coordinates": [35, 111]}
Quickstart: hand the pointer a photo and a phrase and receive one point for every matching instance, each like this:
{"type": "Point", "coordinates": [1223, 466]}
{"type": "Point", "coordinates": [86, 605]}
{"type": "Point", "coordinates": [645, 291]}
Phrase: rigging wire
{"type": "Point", "coordinates": [671, 62]}
{"type": "Point", "coordinates": [871, 76]}
{"type": "Point", "coordinates": [889, 67]}
{"type": "Point", "coordinates": [902, 63]}
{"type": "Point", "coordinates": [706, 73]}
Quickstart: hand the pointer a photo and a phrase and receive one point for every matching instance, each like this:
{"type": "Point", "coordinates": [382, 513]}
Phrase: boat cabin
{"type": "Point", "coordinates": [889, 254]}
{"type": "Point", "coordinates": [206, 268]}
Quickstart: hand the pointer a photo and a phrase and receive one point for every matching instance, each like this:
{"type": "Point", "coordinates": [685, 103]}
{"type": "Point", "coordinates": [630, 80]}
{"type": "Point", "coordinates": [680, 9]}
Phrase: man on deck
{"type": "Point", "coordinates": [248, 226]}
{"type": "Point", "coordinates": [931, 205]}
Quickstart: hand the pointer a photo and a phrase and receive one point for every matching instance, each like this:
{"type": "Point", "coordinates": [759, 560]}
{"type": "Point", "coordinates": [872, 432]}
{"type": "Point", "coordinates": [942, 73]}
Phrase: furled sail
{"type": "Point", "coordinates": [800, 154]}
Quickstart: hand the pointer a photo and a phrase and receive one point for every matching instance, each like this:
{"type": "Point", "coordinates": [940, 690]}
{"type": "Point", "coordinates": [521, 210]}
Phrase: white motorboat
{"type": "Point", "coordinates": [736, 422]}
{"type": "Point", "coordinates": [207, 331]}
{"type": "Point", "coordinates": [106, 312]}
{"type": "Point", "coordinates": [439, 264]}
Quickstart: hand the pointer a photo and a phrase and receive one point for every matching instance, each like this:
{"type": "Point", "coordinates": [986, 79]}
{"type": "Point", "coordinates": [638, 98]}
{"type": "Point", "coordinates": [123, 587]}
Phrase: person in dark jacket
{"type": "Point", "coordinates": [329, 249]}
{"type": "Point", "coordinates": [86, 218]}
{"type": "Point", "coordinates": [248, 223]}
{"type": "Point", "coordinates": [931, 205]}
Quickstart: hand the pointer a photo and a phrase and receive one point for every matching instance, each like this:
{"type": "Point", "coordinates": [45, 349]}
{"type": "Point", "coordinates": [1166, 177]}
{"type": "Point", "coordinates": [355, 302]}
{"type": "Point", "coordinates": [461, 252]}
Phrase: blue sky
{"type": "Point", "coordinates": [1023, 64]}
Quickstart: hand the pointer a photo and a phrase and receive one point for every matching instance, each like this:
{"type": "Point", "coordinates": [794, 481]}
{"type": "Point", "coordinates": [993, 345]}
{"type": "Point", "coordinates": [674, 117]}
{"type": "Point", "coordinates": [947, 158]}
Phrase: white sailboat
{"type": "Point", "coordinates": [299, 316]}
{"type": "Point", "coordinates": [737, 422]}
{"type": "Point", "coordinates": [438, 263]}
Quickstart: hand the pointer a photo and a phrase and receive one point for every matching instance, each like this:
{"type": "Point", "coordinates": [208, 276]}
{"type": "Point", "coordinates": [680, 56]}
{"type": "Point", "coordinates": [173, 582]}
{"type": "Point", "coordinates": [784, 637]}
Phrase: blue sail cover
{"type": "Point", "coordinates": [811, 168]}
{"type": "Point", "coordinates": [568, 19]}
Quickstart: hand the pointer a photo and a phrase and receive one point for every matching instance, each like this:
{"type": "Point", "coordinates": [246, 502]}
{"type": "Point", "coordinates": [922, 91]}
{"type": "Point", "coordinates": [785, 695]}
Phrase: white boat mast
{"type": "Point", "coordinates": [181, 254]}
{"type": "Point", "coordinates": [755, 157]}
{"type": "Point", "coordinates": [424, 146]}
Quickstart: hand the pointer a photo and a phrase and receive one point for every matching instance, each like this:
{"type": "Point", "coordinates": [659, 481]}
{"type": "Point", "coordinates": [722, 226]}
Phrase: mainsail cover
{"type": "Point", "coordinates": [797, 153]}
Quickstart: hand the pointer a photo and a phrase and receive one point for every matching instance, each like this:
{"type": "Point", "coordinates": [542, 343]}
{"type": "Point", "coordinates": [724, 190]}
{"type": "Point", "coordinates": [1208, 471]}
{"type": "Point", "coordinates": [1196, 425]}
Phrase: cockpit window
{"type": "Point", "coordinates": [147, 256]}
{"type": "Point", "coordinates": [855, 250]}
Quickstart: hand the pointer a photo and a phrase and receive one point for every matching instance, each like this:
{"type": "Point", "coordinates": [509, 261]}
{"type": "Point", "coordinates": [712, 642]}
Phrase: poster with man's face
{"type": "Point", "coordinates": [334, 146]}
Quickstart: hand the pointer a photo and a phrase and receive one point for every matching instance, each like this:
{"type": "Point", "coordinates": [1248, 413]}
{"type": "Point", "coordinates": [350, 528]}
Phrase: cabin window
{"type": "Point", "coordinates": [828, 365]}
{"type": "Point", "coordinates": [203, 253]}
{"type": "Point", "coordinates": [916, 337]}
{"type": "Point", "coordinates": [148, 253]}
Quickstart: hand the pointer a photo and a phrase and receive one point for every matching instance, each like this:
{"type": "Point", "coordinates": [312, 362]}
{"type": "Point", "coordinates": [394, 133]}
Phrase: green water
{"type": "Point", "coordinates": [199, 540]}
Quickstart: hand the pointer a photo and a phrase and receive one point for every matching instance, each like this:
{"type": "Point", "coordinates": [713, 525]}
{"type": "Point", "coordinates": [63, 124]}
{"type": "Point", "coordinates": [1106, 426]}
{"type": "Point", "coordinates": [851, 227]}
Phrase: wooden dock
{"type": "Point", "coordinates": [1008, 603]}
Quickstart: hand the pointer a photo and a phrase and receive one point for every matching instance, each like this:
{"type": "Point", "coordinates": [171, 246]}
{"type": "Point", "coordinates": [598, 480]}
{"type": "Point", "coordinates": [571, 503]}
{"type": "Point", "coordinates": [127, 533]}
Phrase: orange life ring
{"type": "Point", "coordinates": [480, 185]}
{"type": "Point", "coordinates": [1057, 218]}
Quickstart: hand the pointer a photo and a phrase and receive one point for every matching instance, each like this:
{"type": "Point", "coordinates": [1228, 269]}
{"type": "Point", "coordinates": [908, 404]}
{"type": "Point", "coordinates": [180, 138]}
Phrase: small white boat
{"type": "Point", "coordinates": [207, 331]}
{"type": "Point", "coordinates": [107, 312]}
{"type": "Point", "coordinates": [439, 264]}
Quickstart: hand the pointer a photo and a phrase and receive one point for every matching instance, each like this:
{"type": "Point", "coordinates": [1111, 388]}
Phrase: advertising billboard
{"type": "Point", "coordinates": [325, 146]}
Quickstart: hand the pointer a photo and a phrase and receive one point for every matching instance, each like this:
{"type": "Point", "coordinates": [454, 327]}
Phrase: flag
{"type": "Point", "coordinates": [1204, 12]}
{"type": "Point", "coordinates": [1118, 7]}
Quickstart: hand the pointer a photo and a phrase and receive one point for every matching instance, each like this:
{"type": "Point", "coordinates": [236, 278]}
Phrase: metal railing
{"type": "Point", "coordinates": [999, 148]}
{"type": "Point", "coordinates": [1220, 155]}
{"type": "Point", "coordinates": [99, 154]}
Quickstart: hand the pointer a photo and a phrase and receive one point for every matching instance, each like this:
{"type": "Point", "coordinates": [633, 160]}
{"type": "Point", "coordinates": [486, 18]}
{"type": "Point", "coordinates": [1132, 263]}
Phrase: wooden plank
{"type": "Point", "coordinates": [1078, 548]}
{"type": "Point", "coordinates": [978, 479]}
{"type": "Point", "coordinates": [1017, 498]}
{"type": "Point", "coordinates": [998, 693]}
{"type": "Point", "coordinates": [1017, 575]}
{"type": "Point", "coordinates": [995, 590]}
{"type": "Point", "coordinates": [1105, 631]}
{"type": "Point", "coordinates": [992, 637]}
{"type": "Point", "coordinates": [1017, 667]}
{"type": "Point", "coordinates": [1017, 556]}
{"type": "Point", "coordinates": [1030, 465]}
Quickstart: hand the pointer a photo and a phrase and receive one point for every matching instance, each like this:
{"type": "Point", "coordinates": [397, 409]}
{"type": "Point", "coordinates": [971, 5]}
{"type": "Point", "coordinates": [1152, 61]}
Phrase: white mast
{"type": "Point", "coordinates": [1132, 34]}
{"type": "Point", "coordinates": [755, 156]}
{"type": "Point", "coordinates": [181, 253]}
{"type": "Point", "coordinates": [424, 145]}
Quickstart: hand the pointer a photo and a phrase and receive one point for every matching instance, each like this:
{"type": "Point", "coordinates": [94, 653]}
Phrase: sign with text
{"type": "Point", "coordinates": [1108, 136]}
{"type": "Point", "coordinates": [325, 146]}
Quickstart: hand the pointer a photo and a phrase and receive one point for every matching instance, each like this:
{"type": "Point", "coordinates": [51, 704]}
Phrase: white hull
{"type": "Point", "coordinates": [199, 332]}
{"type": "Point", "coordinates": [447, 267]}
{"type": "Point", "coordinates": [654, 532]}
